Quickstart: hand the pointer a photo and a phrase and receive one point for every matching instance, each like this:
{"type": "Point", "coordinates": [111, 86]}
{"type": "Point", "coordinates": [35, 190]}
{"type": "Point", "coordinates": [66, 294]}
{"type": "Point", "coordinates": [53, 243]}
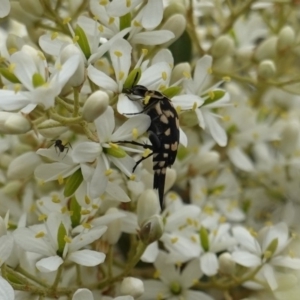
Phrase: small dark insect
{"type": "Point", "coordinates": [60, 147]}
{"type": "Point", "coordinates": [163, 132]}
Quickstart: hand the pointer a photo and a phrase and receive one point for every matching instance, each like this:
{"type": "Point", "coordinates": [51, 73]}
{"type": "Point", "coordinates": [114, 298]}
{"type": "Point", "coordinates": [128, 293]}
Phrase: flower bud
{"type": "Point", "coordinates": [226, 264]}
{"type": "Point", "coordinates": [113, 231]}
{"type": "Point", "coordinates": [175, 24]}
{"type": "Point", "coordinates": [174, 7]}
{"type": "Point", "coordinates": [147, 206]}
{"type": "Point", "coordinates": [5, 160]}
{"type": "Point", "coordinates": [266, 49]}
{"type": "Point", "coordinates": [223, 64]}
{"type": "Point", "coordinates": [171, 176]}
{"type": "Point", "coordinates": [23, 166]}
{"type": "Point", "coordinates": [14, 43]}
{"type": "Point", "coordinates": [95, 105]}
{"type": "Point", "coordinates": [286, 38]}
{"type": "Point", "coordinates": [289, 137]}
{"type": "Point", "coordinates": [179, 70]}
{"type": "Point", "coordinates": [205, 162]}
{"type": "Point", "coordinates": [51, 132]}
{"type": "Point", "coordinates": [132, 286]}
{"type": "Point", "coordinates": [12, 188]}
{"type": "Point", "coordinates": [32, 7]}
{"type": "Point", "coordinates": [222, 46]}
{"type": "Point", "coordinates": [13, 123]}
{"type": "Point", "coordinates": [266, 69]}
{"type": "Point", "coordinates": [152, 230]}
{"type": "Point", "coordinates": [79, 75]}
{"type": "Point", "coordinates": [17, 13]}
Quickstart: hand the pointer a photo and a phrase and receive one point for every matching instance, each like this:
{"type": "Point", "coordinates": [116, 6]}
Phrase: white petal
{"type": "Point", "coordinates": [99, 180]}
{"type": "Point", "coordinates": [87, 258]}
{"type": "Point", "coordinates": [183, 138]}
{"type": "Point", "coordinates": [105, 125]}
{"type": "Point", "coordinates": [125, 164]}
{"type": "Point", "coordinates": [152, 14]}
{"type": "Point", "coordinates": [240, 159]}
{"type": "Point", "coordinates": [152, 37]}
{"type": "Point", "coordinates": [163, 55]}
{"type": "Point", "coordinates": [151, 253]}
{"type": "Point", "coordinates": [196, 295]}
{"type": "Point", "coordinates": [121, 63]}
{"type": "Point", "coordinates": [6, 246]}
{"type": "Point", "coordinates": [49, 264]}
{"type": "Point", "coordinates": [45, 95]}
{"type": "Point", "coordinates": [244, 237]}
{"type": "Point", "coordinates": [6, 291]}
{"type": "Point", "coordinates": [268, 273]}
{"type": "Point", "coordinates": [25, 238]}
{"type": "Point", "coordinates": [52, 154]}
{"type": "Point", "coordinates": [126, 106]}
{"type": "Point", "coordinates": [101, 79]}
{"type": "Point", "coordinates": [48, 172]}
{"type": "Point", "coordinates": [287, 262]}
{"type": "Point", "coordinates": [10, 100]}
{"type": "Point", "coordinates": [209, 264]}
{"type": "Point", "coordinates": [25, 68]}
{"type": "Point", "coordinates": [86, 238]}
{"type": "Point", "coordinates": [140, 122]}
{"type": "Point", "coordinates": [186, 102]}
{"type": "Point", "coordinates": [86, 152]}
{"type": "Point", "coordinates": [191, 272]}
{"type": "Point", "coordinates": [153, 288]}
{"type": "Point", "coordinates": [216, 130]}
{"type": "Point", "coordinates": [246, 259]}
{"type": "Point", "coordinates": [202, 70]}
{"type": "Point", "coordinates": [51, 46]}
{"type": "Point", "coordinates": [4, 11]}
{"type": "Point", "coordinates": [116, 192]}
{"type": "Point", "coordinates": [83, 294]}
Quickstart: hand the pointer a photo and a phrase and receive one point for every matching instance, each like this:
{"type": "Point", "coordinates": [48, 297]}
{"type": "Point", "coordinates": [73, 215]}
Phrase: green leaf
{"type": "Point", "coordinates": [72, 183]}
{"type": "Point", "coordinates": [132, 79]}
{"type": "Point", "coordinates": [125, 21]}
{"type": "Point", "coordinates": [172, 91]}
{"type": "Point", "coordinates": [213, 96]}
{"type": "Point", "coordinates": [182, 49]}
{"type": "Point", "coordinates": [61, 233]}
{"type": "Point", "coordinates": [75, 208]}
{"type": "Point", "coordinates": [203, 234]}
{"type": "Point", "coordinates": [83, 41]}
{"type": "Point", "coordinates": [9, 75]}
{"type": "Point", "coordinates": [37, 80]}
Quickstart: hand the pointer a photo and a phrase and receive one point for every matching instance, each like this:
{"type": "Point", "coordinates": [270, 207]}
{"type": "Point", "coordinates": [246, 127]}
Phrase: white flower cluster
{"type": "Point", "coordinates": [78, 214]}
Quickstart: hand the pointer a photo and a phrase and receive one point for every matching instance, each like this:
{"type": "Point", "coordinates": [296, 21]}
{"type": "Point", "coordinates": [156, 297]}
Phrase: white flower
{"type": "Point", "coordinates": [6, 291]}
{"type": "Point", "coordinates": [174, 284]}
{"type": "Point", "coordinates": [102, 152]}
{"type": "Point", "coordinates": [265, 252]}
{"type": "Point", "coordinates": [195, 99]}
{"type": "Point", "coordinates": [30, 67]}
{"type": "Point", "coordinates": [53, 242]}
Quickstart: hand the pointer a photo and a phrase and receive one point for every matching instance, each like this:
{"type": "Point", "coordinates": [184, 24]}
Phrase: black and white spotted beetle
{"type": "Point", "coordinates": [163, 132]}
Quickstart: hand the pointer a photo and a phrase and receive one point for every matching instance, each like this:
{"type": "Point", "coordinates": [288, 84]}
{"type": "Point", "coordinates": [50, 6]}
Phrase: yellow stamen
{"type": "Point", "coordinates": [135, 133]}
{"type": "Point", "coordinates": [178, 109]}
{"type": "Point", "coordinates": [187, 74]}
{"type": "Point", "coordinates": [128, 3]}
{"type": "Point", "coordinates": [146, 152]}
{"type": "Point", "coordinates": [101, 28]}
{"type": "Point", "coordinates": [222, 219]}
{"type": "Point", "coordinates": [111, 20]}
{"type": "Point", "coordinates": [164, 75]}
{"type": "Point", "coordinates": [11, 68]}
{"type": "Point", "coordinates": [174, 240]}
{"type": "Point", "coordinates": [64, 209]}
{"type": "Point", "coordinates": [66, 20]}
{"type": "Point", "coordinates": [132, 177]}
{"type": "Point", "coordinates": [87, 200]}
{"type": "Point", "coordinates": [67, 239]}
{"type": "Point", "coordinates": [42, 217]}
{"type": "Point", "coordinates": [54, 35]}
{"type": "Point", "coordinates": [156, 274]}
{"type": "Point", "coordinates": [227, 78]}
{"type": "Point", "coordinates": [195, 105]}
{"type": "Point", "coordinates": [209, 71]}
{"type": "Point", "coordinates": [145, 51]}
{"type": "Point", "coordinates": [17, 88]}
{"type": "Point", "coordinates": [108, 172]}
{"type": "Point", "coordinates": [172, 196]}
{"type": "Point", "coordinates": [75, 39]}
{"type": "Point", "coordinates": [86, 226]}
{"type": "Point", "coordinates": [60, 179]}
{"type": "Point", "coordinates": [194, 239]}
{"type": "Point", "coordinates": [113, 145]}
{"type": "Point", "coordinates": [136, 24]}
{"type": "Point", "coordinates": [95, 206]}
{"type": "Point", "coordinates": [121, 75]}
{"type": "Point", "coordinates": [55, 199]}
{"type": "Point", "coordinates": [85, 211]}
{"type": "Point", "coordinates": [118, 53]}
{"type": "Point", "coordinates": [39, 235]}
{"type": "Point", "coordinates": [103, 2]}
